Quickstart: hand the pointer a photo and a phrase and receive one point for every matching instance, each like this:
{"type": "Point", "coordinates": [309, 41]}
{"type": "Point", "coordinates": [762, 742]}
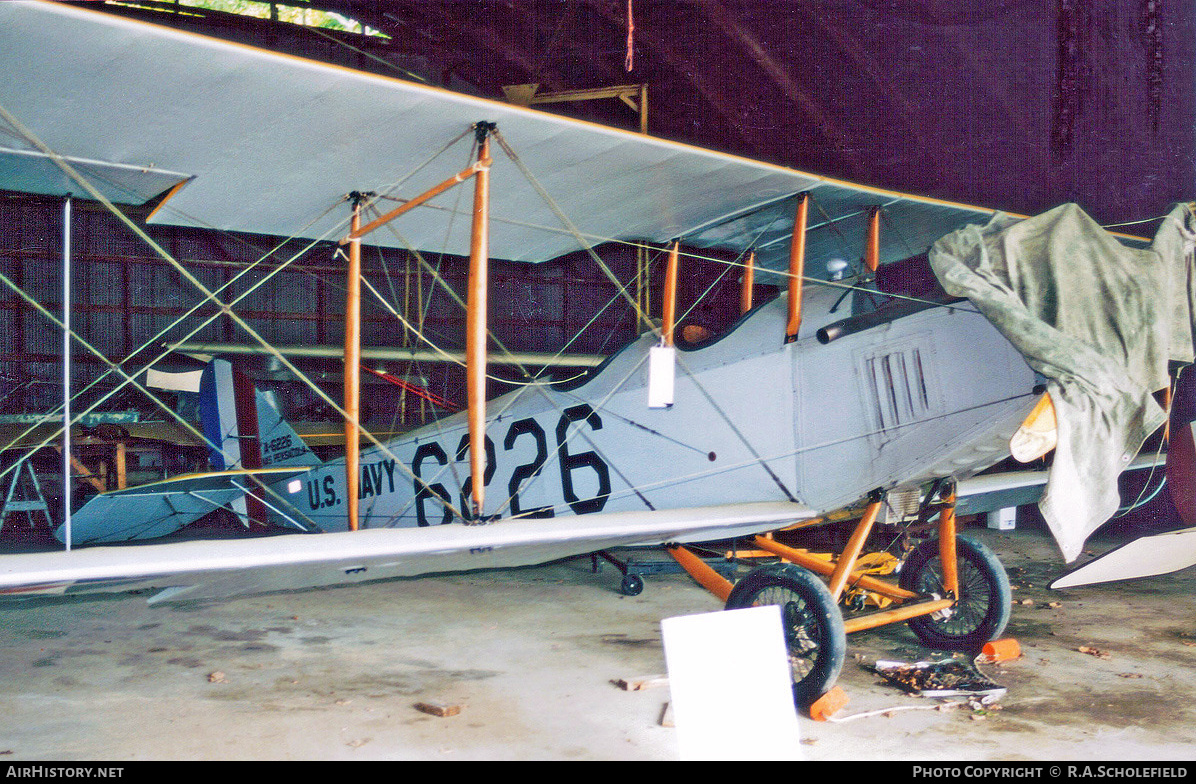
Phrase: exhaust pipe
{"type": "Point", "coordinates": [882, 315]}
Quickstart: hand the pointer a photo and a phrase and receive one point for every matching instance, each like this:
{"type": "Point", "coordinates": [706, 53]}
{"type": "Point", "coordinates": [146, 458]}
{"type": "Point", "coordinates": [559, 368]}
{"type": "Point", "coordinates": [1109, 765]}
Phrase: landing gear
{"type": "Point", "coordinates": [952, 591]}
{"type": "Point", "coordinates": [982, 607]}
{"type": "Point", "coordinates": [813, 625]}
{"type": "Point", "coordinates": [632, 585]}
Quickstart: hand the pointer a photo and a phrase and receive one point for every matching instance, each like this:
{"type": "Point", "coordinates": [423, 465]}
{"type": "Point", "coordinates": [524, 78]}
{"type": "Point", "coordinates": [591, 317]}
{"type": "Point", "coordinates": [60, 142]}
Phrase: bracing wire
{"type": "Point", "coordinates": [224, 308]}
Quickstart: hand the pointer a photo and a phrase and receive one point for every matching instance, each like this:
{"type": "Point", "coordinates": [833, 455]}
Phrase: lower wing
{"type": "Point", "coordinates": [218, 569]}
{"type": "Point", "coordinates": [1146, 556]}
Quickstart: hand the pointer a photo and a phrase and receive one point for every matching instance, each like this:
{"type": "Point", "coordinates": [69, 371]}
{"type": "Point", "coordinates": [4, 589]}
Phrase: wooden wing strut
{"type": "Point", "coordinates": [797, 267]}
{"type": "Point", "coordinates": [475, 321]}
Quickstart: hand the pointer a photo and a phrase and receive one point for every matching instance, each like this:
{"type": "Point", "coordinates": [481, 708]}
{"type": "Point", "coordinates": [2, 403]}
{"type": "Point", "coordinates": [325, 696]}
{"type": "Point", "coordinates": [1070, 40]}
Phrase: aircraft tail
{"type": "Point", "coordinates": [244, 426]}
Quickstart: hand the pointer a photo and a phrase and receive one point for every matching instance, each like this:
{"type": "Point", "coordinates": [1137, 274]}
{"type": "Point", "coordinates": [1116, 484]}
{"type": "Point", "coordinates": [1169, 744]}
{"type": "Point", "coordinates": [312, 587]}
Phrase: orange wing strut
{"type": "Point", "coordinates": [456, 179]}
{"type": "Point", "coordinates": [669, 305]}
{"type": "Point", "coordinates": [872, 249]}
{"type": "Point", "coordinates": [475, 321]}
{"type": "Point", "coordinates": [797, 266]}
{"type": "Point", "coordinates": [749, 280]}
{"type": "Point", "coordinates": [475, 317]}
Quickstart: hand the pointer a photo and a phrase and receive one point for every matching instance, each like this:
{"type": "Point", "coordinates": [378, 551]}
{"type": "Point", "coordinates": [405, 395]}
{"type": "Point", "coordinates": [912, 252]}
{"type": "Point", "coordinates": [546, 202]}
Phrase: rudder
{"type": "Point", "coordinates": [243, 426]}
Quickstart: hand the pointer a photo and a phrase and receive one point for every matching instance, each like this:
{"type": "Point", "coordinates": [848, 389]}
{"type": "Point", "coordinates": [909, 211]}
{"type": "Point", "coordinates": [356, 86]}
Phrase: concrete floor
{"type": "Point", "coordinates": [530, 656]}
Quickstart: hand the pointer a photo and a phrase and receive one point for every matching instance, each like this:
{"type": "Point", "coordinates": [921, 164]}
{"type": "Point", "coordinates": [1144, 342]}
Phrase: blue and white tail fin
{"type": "Point", "coordinates": [245, 430]}
{"type": "Point", "coordinates": [243, 426]}
{"type": "Point", "coordinates": [246, 435]}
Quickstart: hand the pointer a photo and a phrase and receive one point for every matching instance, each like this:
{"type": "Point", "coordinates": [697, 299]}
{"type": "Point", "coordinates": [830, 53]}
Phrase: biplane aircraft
{"type": "Point", "coordinates": [835, 393]}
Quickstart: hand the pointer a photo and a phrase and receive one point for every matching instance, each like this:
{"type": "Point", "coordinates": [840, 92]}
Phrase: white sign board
{"type": "Point", "coordinates": [731, 685]}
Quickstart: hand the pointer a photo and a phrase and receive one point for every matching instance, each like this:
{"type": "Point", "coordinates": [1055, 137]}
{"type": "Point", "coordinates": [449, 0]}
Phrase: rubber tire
{"type": "Point", "coordinates": [807, 611]}
{"type": "Point", "coordinates": [985, 597]}
{"type": "Point", "coordinates": [633, 585]}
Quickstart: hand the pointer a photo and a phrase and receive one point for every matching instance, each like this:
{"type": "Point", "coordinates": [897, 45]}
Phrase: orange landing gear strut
{"type": "Point", "coordinates": [952, 591]}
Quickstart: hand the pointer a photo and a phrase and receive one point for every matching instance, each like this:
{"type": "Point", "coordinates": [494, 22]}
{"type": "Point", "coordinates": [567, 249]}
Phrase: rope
{"type": "Point", "coordinates": [629, 60]}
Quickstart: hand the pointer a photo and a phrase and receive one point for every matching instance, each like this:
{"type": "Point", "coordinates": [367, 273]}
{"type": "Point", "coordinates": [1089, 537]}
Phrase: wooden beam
{"type": "Point", "coordinates": [634, 95]}
{"type": "Point", "coordinates": [83, 472]}
{"type": "Point", "coordinates": [122, 474]}
{"type": "Point", "coordinates": [589, 94]}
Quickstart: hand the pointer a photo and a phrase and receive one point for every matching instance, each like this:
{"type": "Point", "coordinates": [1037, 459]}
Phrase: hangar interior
{"type": "Point", "coordinates": [1031, 107]}
{"type": "Point", "coordinates": [1015, 106]}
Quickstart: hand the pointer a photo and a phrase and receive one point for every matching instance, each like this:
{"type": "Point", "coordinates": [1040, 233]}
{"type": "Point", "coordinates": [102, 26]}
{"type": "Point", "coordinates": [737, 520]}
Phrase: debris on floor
{"type": "Point", "coordinates": [1098, 653]}
{"type": "Point", "coordinates": [438, 708]}
{"type": "Point", "coordinates": [641, 682]}
{"type": "Point", "coordinates": [1002, 650]}
{"type": "Point", "coordinates": [944, 678]}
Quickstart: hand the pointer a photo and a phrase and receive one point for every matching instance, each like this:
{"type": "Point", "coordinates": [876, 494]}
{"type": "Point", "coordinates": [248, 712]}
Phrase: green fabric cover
{"type": "Point", "coordinates": [1100, 320]}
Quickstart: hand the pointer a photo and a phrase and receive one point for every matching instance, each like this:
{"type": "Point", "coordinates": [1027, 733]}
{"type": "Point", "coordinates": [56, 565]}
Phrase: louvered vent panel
{"type": "Point", "coordinates": [898, 386]}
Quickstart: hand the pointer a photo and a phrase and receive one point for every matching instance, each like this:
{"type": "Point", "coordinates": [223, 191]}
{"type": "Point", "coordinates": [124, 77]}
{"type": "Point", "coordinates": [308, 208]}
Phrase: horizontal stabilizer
{"type": "Point", "coordinates": [160, 508]}
{"type": "Point", "coordinates": [1144, 557]}
{"type": "Point", "coordinates": [292, 561]}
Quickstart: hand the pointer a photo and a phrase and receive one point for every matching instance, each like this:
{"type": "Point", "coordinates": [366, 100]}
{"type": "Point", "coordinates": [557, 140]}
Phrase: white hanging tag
{"type": "Point", "coordinates": [662, 370]}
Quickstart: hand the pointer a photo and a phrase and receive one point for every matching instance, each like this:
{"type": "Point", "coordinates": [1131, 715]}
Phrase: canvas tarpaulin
{"type": "Point", "coordinates": [1100, 320]}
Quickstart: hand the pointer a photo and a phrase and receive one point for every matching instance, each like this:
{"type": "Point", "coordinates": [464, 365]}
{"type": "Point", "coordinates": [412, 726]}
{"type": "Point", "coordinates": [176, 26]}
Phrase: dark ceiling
{"type": "Point", "coordinates": [1014, 104]}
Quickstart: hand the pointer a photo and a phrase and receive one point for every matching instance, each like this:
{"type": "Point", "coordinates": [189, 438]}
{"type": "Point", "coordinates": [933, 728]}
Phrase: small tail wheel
{"type": "Point", "coordinates": [983, 605]}
{"type": "Point", "coordinates": [812, 623]}
{"type": "Point", "coordinates": [633, 584]}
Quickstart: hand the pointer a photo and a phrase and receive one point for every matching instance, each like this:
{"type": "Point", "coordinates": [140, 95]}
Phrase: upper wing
{"type": "Point", "coordinates": [33, 171]}
{"type": "Point", "coordinates": [268, 142]}
{"type": "Point", "coordinates": [224, 568]}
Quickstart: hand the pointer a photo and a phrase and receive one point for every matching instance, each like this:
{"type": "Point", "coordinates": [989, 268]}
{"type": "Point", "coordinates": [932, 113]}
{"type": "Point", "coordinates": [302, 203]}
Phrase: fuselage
{"type": "Point", "coordinates": [934, 393]}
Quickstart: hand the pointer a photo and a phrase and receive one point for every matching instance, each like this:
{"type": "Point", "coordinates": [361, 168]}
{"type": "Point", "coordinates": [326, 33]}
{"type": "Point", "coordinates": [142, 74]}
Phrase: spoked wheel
{"type": "Point", "coordinates": [811, 620]}
{"type": "Point", "coordinates": [982, 609]}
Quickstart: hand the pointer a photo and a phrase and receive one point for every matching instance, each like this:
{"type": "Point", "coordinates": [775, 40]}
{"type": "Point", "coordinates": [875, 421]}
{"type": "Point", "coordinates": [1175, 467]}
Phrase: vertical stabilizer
{"type": "Point", "coordinates": [278, 443]}
{"type": "Point", "coordinates": [243, 426]}
{"type": "Point", "coordinates": [245, 430]}
{"type": "Point", "coordinates": [218, 415]}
